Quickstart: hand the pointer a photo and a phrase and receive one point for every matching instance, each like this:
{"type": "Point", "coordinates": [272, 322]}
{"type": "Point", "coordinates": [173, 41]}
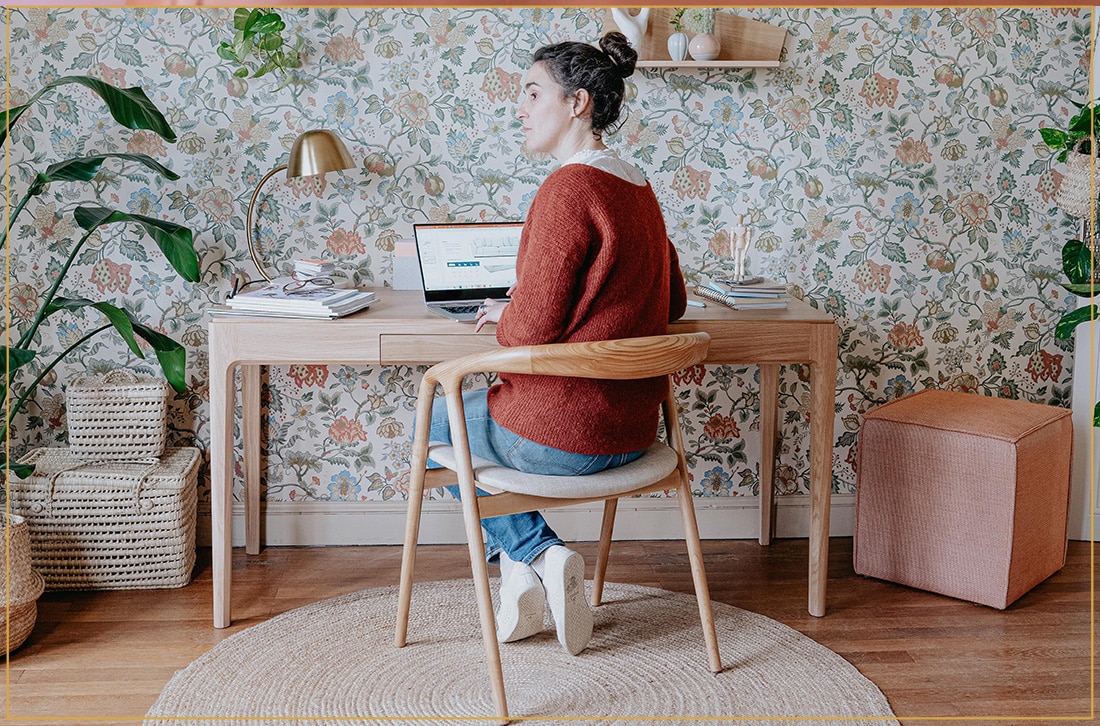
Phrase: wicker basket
{"type": "Point", "coordinates": [21, 586]}
{"type": "Point", "coordinates": [110, 525]}
{"type": "Point", "coordinates": [117, 417]}
{"type": "Point", "coordinates": [1076, 195]}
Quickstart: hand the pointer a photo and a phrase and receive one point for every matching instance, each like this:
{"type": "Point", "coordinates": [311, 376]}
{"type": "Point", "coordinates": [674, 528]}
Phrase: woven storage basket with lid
{"type": "Point", "coordinates": [21, 585]}
{"type": "Point", "coordinates": [110, 525]}
{"type": "Point", "coordinates": [117, 417]}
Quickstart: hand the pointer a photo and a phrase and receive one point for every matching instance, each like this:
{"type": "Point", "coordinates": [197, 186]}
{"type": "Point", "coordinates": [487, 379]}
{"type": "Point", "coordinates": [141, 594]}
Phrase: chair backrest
{"type": "Point", "coordinates": [621, 359]}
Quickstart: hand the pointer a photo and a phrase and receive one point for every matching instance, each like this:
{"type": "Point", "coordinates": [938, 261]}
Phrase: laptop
{"type": "Point", "coordinates": [462, 264]}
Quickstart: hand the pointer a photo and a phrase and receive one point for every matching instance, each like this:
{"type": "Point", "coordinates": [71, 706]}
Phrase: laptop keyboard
{"type": "Point", "coordinates": [460, 309]}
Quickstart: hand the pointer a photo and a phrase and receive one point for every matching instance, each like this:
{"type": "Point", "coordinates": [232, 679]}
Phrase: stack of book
{"type": "Point", "coordinates": [313, 268]}
{"type": "Point", "coordinates": [754, 294]}
{"type": "Point", "coordinates": [298, 298]}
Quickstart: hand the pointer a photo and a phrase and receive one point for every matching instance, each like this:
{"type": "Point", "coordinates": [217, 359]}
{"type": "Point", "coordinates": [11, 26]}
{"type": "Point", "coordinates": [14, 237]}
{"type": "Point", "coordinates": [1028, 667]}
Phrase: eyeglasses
{"type": "Point", "coordinates": [306, 285]}
{"type": "Point", "coordinates": [239, 282]}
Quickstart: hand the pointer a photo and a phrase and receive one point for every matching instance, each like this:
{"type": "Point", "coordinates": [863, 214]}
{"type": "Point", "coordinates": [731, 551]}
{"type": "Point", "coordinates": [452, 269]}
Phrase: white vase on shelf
{"type": "Point", "coordinates": [677, 46]}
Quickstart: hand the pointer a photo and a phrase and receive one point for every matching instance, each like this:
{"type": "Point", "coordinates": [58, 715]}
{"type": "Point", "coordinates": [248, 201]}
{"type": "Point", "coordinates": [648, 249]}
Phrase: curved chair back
{"type": "Point", "coordinates": [621, 359]}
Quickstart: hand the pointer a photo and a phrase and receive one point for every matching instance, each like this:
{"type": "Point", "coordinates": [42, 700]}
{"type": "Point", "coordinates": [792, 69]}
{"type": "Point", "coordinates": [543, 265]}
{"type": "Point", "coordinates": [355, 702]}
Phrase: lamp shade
{"type": "Point", "coordinates": [317, 152]}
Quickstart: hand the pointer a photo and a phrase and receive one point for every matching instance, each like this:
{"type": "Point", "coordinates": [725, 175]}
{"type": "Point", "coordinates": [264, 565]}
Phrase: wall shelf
{"type": "Point", "coordinates": [718, 63]}
{"type": "Point", "coordinates": [746, 43]}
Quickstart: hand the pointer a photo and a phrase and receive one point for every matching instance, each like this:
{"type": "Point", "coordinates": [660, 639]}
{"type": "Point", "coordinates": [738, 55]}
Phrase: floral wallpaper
{"type": "Point", "coordinates": [891, 171]}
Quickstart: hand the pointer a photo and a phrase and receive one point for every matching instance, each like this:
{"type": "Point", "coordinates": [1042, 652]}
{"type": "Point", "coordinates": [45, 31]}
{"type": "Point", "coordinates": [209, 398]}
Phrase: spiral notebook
{"type": "Point", "coordinates": [739, 303]}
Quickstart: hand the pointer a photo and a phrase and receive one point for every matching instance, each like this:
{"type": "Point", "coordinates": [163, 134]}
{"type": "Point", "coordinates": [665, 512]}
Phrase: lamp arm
{"type": "Point", "coordinates": [252, 250]}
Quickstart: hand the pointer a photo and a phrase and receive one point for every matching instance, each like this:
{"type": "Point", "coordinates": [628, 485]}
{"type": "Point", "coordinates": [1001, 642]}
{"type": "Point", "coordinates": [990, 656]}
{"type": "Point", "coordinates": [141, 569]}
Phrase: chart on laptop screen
{"type": "Point", "coordinates": [468, 256]}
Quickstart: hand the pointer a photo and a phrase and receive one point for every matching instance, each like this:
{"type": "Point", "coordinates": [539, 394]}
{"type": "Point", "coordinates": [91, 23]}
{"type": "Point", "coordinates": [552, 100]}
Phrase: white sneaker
{"type": "Point", "coordinates": [564, 582]}
{"type": "Point", "coordinates": [522, 602]}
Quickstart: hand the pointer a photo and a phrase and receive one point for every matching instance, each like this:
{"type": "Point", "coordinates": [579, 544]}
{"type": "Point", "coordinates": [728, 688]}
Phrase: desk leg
{"type": "Point", "coordinates": [822, 416]}
{"type": "Point", "coordinates": [250, 434]}
{"type": "Point", "coordinates": [222, 394]}
{"type": "Point", "coordinates": [769, 424]}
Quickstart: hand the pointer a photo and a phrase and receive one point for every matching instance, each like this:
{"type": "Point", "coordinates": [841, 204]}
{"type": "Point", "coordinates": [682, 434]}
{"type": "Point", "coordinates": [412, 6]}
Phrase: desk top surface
{"type": "Point", "coordinates": [408, 307]}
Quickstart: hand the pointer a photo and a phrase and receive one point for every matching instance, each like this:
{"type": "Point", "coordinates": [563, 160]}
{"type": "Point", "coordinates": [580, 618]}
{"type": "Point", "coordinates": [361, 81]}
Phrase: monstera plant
{"type": "Point", "coordinates": [131, 108]}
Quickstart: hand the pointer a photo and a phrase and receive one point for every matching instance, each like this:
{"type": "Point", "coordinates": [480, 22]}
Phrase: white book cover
{"type": "Point", "coordinates": [287, 293]}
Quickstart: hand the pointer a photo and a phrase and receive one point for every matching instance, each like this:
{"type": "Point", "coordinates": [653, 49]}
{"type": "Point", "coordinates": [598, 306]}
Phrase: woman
{"type": "Point", "coordinates": [594, 263]}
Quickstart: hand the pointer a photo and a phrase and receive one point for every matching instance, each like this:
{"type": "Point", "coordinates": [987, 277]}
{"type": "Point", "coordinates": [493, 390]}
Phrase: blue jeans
{"type": "Point", "coordinates": [525, 535]}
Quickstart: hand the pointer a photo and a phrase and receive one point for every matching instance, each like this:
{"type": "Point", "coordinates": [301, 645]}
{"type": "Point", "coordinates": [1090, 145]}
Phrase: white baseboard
{"type": "Point", "coordinates": [383, 523]}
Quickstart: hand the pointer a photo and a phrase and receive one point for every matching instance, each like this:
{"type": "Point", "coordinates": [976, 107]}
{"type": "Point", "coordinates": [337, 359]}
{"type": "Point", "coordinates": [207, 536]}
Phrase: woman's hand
{"type": "Point", "coordinates": [489, 312]}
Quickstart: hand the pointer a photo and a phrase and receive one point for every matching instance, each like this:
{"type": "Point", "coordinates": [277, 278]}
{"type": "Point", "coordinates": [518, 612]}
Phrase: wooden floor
{"type": "Point", "coordinates": [103, 657]}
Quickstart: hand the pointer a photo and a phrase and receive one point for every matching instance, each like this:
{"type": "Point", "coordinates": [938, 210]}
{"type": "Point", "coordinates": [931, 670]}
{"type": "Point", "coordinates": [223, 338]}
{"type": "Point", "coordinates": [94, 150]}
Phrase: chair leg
{"type": "Point", "coordinates": [699, 575]}
{"type": "Point", "coordinates": [606, 527]}
{"type": "Point", "coordinates": [485, 608]}
{"type": "Point", "coordinates": [408, 555]}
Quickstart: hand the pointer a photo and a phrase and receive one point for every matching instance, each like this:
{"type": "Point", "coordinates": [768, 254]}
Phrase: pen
{"type": "Point", "coordinates": [696, 304]}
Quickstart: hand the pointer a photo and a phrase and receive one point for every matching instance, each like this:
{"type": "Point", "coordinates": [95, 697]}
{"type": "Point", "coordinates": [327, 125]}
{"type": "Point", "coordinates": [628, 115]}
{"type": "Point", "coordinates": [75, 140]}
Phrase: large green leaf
{"type": "Point", "coordinates": [1096, 415]}
{"type": "Point", "coordinates": [85, 168]}
{"type": "Point", "coordinates": [1077, 262]}
{"type": "Point", "coordinates": [244, 19]}
{"type": "Point", "coordinates": [175, 241]}
{"type": "Point", "coordinates": [10, 116]}
{"type": "Point", "coordinates": [172, 356]}
{"type": "Point", "coordinates": [128, 106]}
{"type": "Point", "coordinates": [1086, 289]}
{"type": "Point", "coordinates": [1054, 138]}
{"type": "Point", "coordinates": [118, 317]}
{"type": "Point", "coordinates": [14, 358]}
{"type": "Point", "coordinates": [1071, 320]}
{"type": "Point", "coordinates": [268, 23]}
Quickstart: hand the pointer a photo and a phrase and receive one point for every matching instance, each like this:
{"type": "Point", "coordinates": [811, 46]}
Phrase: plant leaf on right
{"type": "Point", "coordinates": [1079, 256]}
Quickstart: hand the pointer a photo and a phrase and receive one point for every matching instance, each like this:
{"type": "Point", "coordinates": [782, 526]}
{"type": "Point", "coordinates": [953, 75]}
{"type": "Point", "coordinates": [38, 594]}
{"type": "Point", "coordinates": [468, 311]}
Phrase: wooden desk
{"type": "Point", "coordinates": [398, 329]}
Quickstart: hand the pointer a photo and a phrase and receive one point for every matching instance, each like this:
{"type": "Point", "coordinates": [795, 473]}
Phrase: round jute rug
{"type": "Point", "coordinates": [334, 662]}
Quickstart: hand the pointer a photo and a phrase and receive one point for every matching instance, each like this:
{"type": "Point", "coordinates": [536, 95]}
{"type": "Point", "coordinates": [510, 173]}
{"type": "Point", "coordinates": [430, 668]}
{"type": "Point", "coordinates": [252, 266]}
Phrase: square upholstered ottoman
{"type": "Point", "coordinates": [964, 495]}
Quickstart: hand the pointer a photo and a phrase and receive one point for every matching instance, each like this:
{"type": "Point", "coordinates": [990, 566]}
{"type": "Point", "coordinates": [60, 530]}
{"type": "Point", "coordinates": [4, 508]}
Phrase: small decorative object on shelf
{"type": "Point", "coordinates": [678, 41]}
{"type": "Point", "coordinates": [739, 245]}
{"type": "Point", "coordinates": [634, 27]}
{"type": "Point", "coordinates": [743, 42]}
{"type": "Point", "coordinates": [705, 45]}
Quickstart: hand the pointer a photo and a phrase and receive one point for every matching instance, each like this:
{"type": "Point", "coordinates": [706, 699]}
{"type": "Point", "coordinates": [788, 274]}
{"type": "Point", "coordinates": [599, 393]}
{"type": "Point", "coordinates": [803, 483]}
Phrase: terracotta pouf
{"type": "Point", "coordinates": [963, 495]}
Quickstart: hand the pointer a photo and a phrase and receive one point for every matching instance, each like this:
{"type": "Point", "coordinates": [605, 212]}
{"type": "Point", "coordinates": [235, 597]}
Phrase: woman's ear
{"type": "Point", "coordinates": [582, 103]}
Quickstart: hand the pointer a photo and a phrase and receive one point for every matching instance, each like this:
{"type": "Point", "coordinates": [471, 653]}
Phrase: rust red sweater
{"type": "Point", "coordinates": [595, 263]}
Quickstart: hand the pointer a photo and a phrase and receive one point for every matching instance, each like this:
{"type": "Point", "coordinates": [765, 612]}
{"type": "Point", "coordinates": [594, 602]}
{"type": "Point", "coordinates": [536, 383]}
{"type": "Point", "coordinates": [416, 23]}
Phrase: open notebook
{"type": "Point", "coordinates": [462, 264]}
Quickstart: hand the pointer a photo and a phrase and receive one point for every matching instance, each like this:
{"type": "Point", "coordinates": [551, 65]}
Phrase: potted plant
{"type": "Point", "coordinates": [1075, 197]}
{"type": "Point", "coordinates": [678, 40]}
{"type": "Point", "coordinates": [704, 44]}
{"type": "Point", "coordinates": [131, 108]}
{"type": "Point", "coordinates": [258, 45]}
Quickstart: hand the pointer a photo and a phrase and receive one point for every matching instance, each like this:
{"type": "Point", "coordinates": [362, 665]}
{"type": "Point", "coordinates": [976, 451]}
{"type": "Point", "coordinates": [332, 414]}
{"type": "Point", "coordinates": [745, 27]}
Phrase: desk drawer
{"type": "Point", "coordinates": [432, 348]}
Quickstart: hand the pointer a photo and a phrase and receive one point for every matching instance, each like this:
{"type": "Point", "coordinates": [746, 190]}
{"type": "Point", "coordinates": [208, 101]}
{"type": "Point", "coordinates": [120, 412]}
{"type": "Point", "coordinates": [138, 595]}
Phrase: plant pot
{"type": "Point", "coordinates": [1074, 195]}
{"type": "Point", "coordinates": [704, 47]}
{"type": "Point", "coordinates": [677, 46]}
{"type": "Point", "coordinates": [22, 585]}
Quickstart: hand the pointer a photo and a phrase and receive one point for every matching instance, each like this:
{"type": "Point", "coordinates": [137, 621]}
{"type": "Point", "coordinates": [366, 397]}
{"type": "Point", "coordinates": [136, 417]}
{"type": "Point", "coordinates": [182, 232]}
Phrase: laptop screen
{"type": "Point", "coordinates": [467, 261]}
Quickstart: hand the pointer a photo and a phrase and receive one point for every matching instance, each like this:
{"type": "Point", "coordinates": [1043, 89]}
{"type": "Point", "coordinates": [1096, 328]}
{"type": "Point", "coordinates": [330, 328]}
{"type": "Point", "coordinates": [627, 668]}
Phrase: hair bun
{"type": "Point", "coordinates": [622, 54]}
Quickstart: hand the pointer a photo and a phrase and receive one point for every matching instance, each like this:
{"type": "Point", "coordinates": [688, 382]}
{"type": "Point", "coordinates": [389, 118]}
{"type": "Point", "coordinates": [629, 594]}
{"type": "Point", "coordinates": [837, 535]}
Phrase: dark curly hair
{"type": "Point", "coordinates": [600, 71]}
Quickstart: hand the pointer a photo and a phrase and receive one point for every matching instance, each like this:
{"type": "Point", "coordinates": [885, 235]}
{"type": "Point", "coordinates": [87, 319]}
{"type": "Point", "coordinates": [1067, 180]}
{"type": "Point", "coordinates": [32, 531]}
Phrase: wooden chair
{"type": "Point", "coordinates": [662, 467]}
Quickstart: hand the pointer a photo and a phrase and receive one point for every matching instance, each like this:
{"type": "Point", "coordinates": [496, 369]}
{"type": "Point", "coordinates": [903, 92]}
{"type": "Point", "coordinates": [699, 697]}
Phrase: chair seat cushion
{"type": "Point", "coordinates": [655, 464]}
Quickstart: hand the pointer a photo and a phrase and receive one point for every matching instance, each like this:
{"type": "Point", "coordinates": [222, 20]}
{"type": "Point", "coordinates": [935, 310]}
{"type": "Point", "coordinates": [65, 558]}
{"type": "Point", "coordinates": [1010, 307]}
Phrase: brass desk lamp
{"type": "Point", "coordinates": [314, 152]}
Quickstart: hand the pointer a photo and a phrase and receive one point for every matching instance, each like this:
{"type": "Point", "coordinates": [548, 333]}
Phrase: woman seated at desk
{"type": "Point", "coordinates": [595, 263]}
